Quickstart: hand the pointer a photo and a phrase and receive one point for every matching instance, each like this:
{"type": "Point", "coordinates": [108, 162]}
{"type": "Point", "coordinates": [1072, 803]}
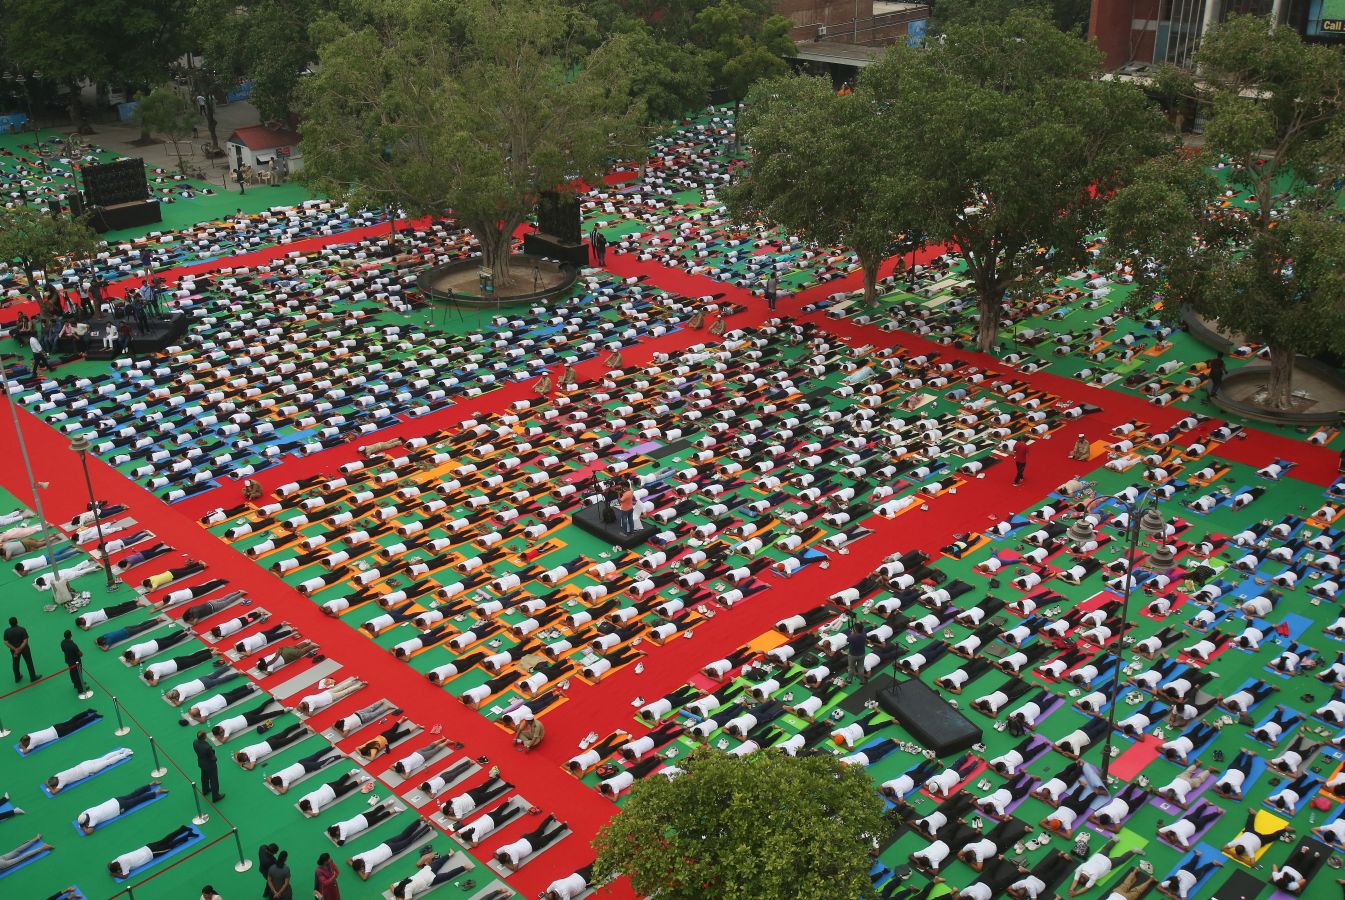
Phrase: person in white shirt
{"type": "Point", "coordinates": [123, 865]}
{"type": "Point", "coordinates": [571, 885]}
{"type": "Point", "coordinates": [108, 810]}
{"type": "Point", "coordinates": [87, 769]}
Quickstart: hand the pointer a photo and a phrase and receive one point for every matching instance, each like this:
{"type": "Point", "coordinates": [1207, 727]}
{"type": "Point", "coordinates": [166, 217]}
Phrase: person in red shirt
{"type": "Point", "coordinates": [1019, 461]}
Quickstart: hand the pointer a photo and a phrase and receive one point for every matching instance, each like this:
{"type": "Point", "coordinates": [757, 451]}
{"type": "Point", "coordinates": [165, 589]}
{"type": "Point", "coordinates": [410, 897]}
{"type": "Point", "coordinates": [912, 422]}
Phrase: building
{"type": "Point", "coordinates": [1137, 33]}
{"type": "Point", "coordinates": [857, 22]}
{"type": "Point", "coordinates": [258, 146]}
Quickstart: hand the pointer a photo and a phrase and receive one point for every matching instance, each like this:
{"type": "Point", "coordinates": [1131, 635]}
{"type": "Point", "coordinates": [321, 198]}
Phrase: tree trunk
{"type": "Point", "coordinates": [1279, 393]}
{"type": "Point", "coordinates": [496, 243]}
{"type": "Point", "coordinates": [991, 307]}
{"type": "Point", "coordinates": [869, 265]}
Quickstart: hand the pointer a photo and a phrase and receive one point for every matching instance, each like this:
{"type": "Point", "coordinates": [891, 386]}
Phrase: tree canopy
{"type": "Point", "coordinates": [474, 106]}
{"type": "Point", "coordinates": [266, 42]}
{"type": "Point", "coordinates": [1010, 145]}
{"type": "Point", "coordinates": [124, 42]}
{"type": "Point", "coordinates": [823, 168]}
{"type": "Point", "coordinates": [37, 240]}
{"type": "Point", "coordinates": [766, 826]}
{"type": "Point", "coordinates": [1275, 111]}
{"type": "Point", "coordinates": [165, 111]}
{"type": "Point", "coordinates": [1067, 15]}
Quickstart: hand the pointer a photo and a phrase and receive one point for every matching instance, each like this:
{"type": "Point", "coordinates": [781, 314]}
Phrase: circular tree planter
{"type": "Point", "coordinates": [533, 278]}
{"type": "Point", "coordinates": [1318, 388]}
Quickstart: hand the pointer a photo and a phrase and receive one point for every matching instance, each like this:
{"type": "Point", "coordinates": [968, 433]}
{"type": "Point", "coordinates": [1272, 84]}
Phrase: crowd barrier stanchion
{"type": "Point", "coordinates": [243, 863]}
{"type": "Point", "coordinates": [159, 769]}
{"type": "Point", "coordinates": [122, 728]}
{"type": "Point", "coordinates": [200, 818]}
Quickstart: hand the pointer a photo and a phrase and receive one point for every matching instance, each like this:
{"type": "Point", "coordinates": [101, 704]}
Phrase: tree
{"type": "Point", "coordinates": [1010, 145]}
{"type": "Point", "coordinates": [165, 111]}
{"type": "Point", "coordinates": [475, 106]}
{"type": "Point", "coordinates": [1275, 110]}
{"type": "Point", "coordinates": [1068, 15]}
{"type": "Point", "coordinates": [266, 42]}
{"type": "Point", "coordinates": [822, 169]}
{"type": "Point", "coordinates": [763, 827]}
{"type": "Point", "coordinates": [37, 240]}
{"type": "Point", "coordinates": [125, 42]}
{"type": "Point", "coordinates": [743, 42]}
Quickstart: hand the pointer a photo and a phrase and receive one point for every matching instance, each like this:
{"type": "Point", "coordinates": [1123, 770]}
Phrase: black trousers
{"type": "Point", "coordinates": [27, 657]}
{"type": "Point", "coordinates": [210, 781]}
{"type": "Point", "coordinates": [77, 677]}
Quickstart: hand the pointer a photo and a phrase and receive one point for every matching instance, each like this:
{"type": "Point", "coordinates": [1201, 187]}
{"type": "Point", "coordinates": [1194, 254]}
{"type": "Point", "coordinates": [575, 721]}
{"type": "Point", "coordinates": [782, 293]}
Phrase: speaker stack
{"type": "Point", "coordinates": [119, 192]}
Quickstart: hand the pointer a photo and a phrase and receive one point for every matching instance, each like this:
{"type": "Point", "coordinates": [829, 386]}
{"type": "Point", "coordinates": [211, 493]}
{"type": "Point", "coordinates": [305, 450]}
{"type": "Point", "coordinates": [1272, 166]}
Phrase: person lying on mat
{"type": "Point", "coordinates": [315, 801]}
{"type": "Point", "coordinates": [188, 689]}
{"type": "Point", "coordinates": [1192, 872]}
{"type": "Point", "coordinates": [364, 715]}
{"type": "Point", "coordinates": [87, 769]}
{"type": "Point", "coordinates": [282, 780]}
{"type": "Point", "coordinates": [325, 698]}
{"type": "Point", "coordinates": [1183, 830]}
{"type": "Point", "coordinates": [1097, 867]}
{"type": "Point", "coordinates": [342, 831]}
{"type": "Point", "coordinates": [1290, 877]}
{"type": "Point", "coordinates": [286, 655]}
{"type": "Point", "coordinates": [158, 671]}
{"type": "Point", "coordinates": [211, 705]}
{"type": "Point", "coordinates": [24, 852]}
{"type": "Point", "coordinates": [1045, 873]}
{"type": "Point", "coordinates": [529, 734]}
{"type": "Point", "coordinates": [372, 749]}
{"type": "Point", "coordinates": [571, 885]}
{"type": "Point", "coordinates": [119, 635]}
{"type": "Point", "coordinates": [108, 810]}
{"type": "Point", "coordinates": [433, 870]}
{"type": "Point", "coordinates": [248, 757]}
{"type": "Point", "coordinates": [1248, 843]}
{"type": "Point", "coordinates": [124, 865]}
{"type": "Point", "coordinates": [35, 739]}
{"type": "Point", "coordinates": [365, 863]}
{"type": "Point", "coordinates": [416, 760]}
{"type": "Point", "coordinates": [513, 854]}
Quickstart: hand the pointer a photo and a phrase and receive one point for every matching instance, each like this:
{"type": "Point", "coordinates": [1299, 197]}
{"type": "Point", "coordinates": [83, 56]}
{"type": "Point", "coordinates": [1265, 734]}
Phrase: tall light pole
{"type": "Point", "coordinates": [1142, 518]}
{"type": "Point", "coordinates": [81, 445]}
{"type": "Point", "coordinates": [49, 551]}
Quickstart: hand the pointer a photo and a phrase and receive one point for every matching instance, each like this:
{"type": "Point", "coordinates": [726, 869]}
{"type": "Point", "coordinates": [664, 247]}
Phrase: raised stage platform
{"type": "Point", "coordinates": [590, 519]}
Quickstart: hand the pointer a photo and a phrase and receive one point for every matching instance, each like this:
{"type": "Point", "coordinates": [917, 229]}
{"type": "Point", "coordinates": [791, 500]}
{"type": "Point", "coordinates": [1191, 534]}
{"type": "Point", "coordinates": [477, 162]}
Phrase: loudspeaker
{"type": "Point", "coordinates": [558, 216]}
{"type": "Point", "coordinates": [54, 207]}
{"type": "Point", "coordinates": [76, 201]}
{"type": "Point", "coordinates": [111, 183]}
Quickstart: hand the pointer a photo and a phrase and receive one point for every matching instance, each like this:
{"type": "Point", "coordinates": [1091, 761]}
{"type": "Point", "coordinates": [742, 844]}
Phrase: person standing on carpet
{"type": "Point", "coordinates": [242, 182]}
{"type": "Point", "coordinates": [625, 505]}
{"type": "Point", "coordinates": [39, 353]}
{"type": "Point", "coordinates": [1217, 370]}
{"type": "Point", "coordinates": [278, 884]}
{"type": "Point", "coordinates": [266, 858]}
{"type": "Point", "coordinates": [772, 291]}
{"type": "Point", "coordinates": [598, 241]}
{"type": "Point", "coordinates": [1019, 461]}
{"type": "Point", "coordinates": [73, 657]}
{"type": "Point", "coordinates": [324, 879]}
{"type": "Point", "coordinates": [16, 639]}
{"type": "Point", "coordinates": [205, 758]}
{"type": "Point", "coordinates": [856, 648]}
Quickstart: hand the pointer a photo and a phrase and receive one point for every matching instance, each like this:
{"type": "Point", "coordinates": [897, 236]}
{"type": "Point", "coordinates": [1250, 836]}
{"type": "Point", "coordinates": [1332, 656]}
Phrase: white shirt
{"type": "Point", "coordinates": [128, 862]}
{"type": "Point", "coordinates": [103, 812]}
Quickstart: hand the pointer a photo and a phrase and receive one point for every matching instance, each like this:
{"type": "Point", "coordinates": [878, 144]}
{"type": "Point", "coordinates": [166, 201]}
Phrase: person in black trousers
{"type": "Point", "coordinates": [16, 639]}
{"type": "Point", "coordinates": [205, 758]}
{"type": "Point", "coordinates": [73, 655]}
{"type": "Point", "coordinates": [1217, 369]}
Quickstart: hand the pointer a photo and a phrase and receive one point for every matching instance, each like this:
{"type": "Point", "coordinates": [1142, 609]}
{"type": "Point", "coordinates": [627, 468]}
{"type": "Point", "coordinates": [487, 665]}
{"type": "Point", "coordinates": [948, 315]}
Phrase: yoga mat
{"type": "Point", "coordinates": [504, 871]}
{"type": "Point", "coordinates": [119, 762]}
{"type": "Point", "coordinates": [306, 679]}
{"type": "Point", "coordinates": [27, 862]}
{"type": "Point", "coordinates": [74, 823]}
{"type": "Point", "coordinates": [1136, 758]}
{"type": "Point", "coordinates": [455, 859]}
{"type": "Point", "coordinates": [196, 838]}
{"type": "Point", "coordinates": [1241, 885]}
{"type": "Point", "coordinates": [1264, 821]}
{"type": "Point", "coordinates": [39, 748]}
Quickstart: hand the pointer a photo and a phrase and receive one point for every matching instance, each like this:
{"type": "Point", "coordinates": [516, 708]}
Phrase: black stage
{"type": "Point", "coordinates": [589, 519]}
{"type": "Point", "coordinates": [162, 333]}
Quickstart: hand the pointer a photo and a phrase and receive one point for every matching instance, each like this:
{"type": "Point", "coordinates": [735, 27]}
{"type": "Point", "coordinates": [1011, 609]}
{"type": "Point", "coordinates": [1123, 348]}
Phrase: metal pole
{"type": "Point", "coordinates": [97, 508]}
{"type": "Point", "coordinates": [122, 730]}
{"type": "Point", "coordinates": [158, 770]}
{"type": "Point", "coordinates": [4, 732]}
{"type": "Point", "coordinates": [1132, 547]}
{"type": "Point", "coordinates": [243, 863]}
{"type": "Point", "coordinates": [49, 551]}
{"type": "Point", "coordinates": [200, 818]}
